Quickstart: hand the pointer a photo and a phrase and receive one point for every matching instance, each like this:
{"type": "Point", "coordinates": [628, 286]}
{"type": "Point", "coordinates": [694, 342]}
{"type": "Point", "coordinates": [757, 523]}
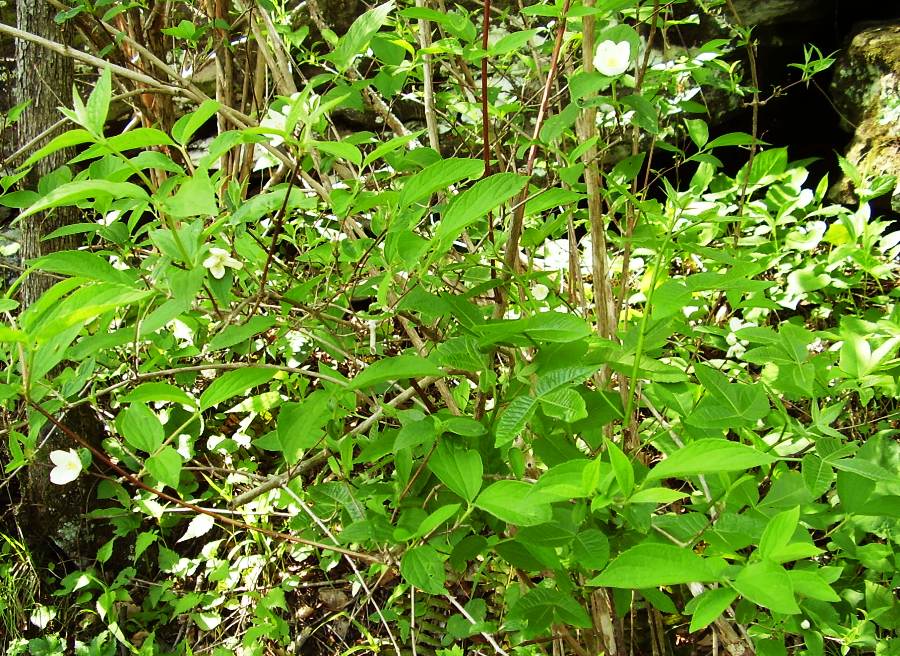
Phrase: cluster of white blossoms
{"type": "Point", "coordinates": [612, 58]}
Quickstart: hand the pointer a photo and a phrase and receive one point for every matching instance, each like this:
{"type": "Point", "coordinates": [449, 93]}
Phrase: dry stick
{"type": "Point", "coordinates": [276, 234]}
{"type": "Point", "coordinates": [486, 636]}
{"type": "Point", "coordinates": [136, 482]}
{"type": "Point", "coordinates": [586, 127]}
{"type": "Point", "coordinates": [224, 73]}
{"type": "Point", "coordinates": [754, 77]}
{"type": "Point", "coordinates": [631, 442]}
{"type": "Point", "coordinates": [631, 220]}
{"type": "Point", "coordinates": [428, 74]}
{"type": "Point", "coordinates": [283, 67]}
{"type": "Point", "coordinates": [84, 57]}
{"type": "Point", "coordinates": [485, 116]}
{"type": "Point", "coordinates": [511, 257]}
{"type": "Point", "coordinates": [279, 480]}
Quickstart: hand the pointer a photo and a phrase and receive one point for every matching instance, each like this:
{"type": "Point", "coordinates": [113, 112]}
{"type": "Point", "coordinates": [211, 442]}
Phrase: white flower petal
{"type": "Point", "coordinates": [612, 59]}
{"type": "Point", "coordinates": [68, 466]}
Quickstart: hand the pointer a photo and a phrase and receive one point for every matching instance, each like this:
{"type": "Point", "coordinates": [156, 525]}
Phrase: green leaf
{"type": "Point", "coordinates": [82, 264]}
{"type": "Point", "coordinates": [137, 138]}
{"type": "Point", "coordinates": [236, 334]}
{"type": "Point", "coordinates": [435, 519]}
{"type": "Point", "coordinates": [556, 328]}
{"type": "Point", "coordinates": [232, 383]}
{"type": "Point", "coordinates": [779, 531]}
{"type": "Point", "coordinates": [512, 42]}
{"type": "Point", "coordinates": [357, 38]}
{"type": "Point", "coordinates": [300, 424]}
{"type": "Point", "coordinates": [98, 102]}
{"type": "Point", "coordinates": [590, 549]}
{"type": "Point", "coordinates": [811, 584]}
{"type": "Point", "coordinates": [257, 206]}
{"type": "Point", "coordinates": [65, 140]}
{"type": "Point", "coordinates": [513, 420]}
{"type": "Point", "coordinates": [768, 585]}
{"type": "Point", "coordinates": [459, 469]}
{"type": "Point", "coordinates": [474, 204]}
{"type": "Point", "coordinates": [708, 456]}
{"type": "Point", "coordinates": [206, 620]}
{"type": "Point", "coordinates": [72, 193]}
{"type": "Point", "coordinates": [198, 526]}
{"type": "Point", "coordinates": [438, 177]}
{"type": "Point", "coordinates": [731, 405]}
{"type": "Point", "coordinates": [165, 466]}
{"type": "Point", "coordinates": [424, 568]}
{"type": "Point", "coordinates": [564, 404]}
{"type": "Point", "coordinates": [390, 146]}
{"type": "Point", "coordinates": [698, 131]}
{"type": "Point", "coordinates": [656, 564]}
{"type": "Point", "coordinates": [622, 467]}
{"type": "Point", "coordinates": [340, 149]}
{"type": "Point", "coordinates": [8, 334]}
{"type": "Point", "coordinates": [400, 367]}
{"type": "Point", "coordinates": [146, 392]}
{"type": "Point", "coordinates": [645, 115]}
{"type": "Point", "coordinates": [416, 432]}
{"type": "Point", "coordinates": [733, 139]}
{"type": "Point", "coordinates": [709, 606]}
{"type": "Point", "coordinates": [508, 501]}
{"type": "Point", "coordinates": [657, 495]}
{"type": "Point", "coordinates": [195, 197]}
{"type": "Point", "coordinates": [187, 125]}
{"type": "Point", "coordinates": [551, 198]}
{"type": "Point", "coordinates": [140, 427]}
{"type": "Point", "coordinates": [542, 607]}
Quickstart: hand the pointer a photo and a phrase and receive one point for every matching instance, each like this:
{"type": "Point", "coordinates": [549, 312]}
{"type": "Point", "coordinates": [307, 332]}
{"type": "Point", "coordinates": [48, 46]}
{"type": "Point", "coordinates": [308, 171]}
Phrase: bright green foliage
{"type": "Point", "coordinates": [356, 352]}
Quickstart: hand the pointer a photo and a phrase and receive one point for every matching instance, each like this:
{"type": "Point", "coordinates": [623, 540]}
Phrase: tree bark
{"type": "Point", "coordinates": [45, 78]}
{"type": "Point", "coordinates": [52, 519]}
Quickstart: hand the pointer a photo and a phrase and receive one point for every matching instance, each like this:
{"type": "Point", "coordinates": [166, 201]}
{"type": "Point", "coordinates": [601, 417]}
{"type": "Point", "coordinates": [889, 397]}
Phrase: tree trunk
{"type": "Point", "coordinates": [45, 78]}
{"type": "Point", "coordinates": [51, 518]}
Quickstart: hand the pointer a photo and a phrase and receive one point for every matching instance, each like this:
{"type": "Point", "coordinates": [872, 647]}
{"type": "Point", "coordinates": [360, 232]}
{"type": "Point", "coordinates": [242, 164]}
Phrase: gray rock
{"type": "Point", "coordinates": [866, 91]}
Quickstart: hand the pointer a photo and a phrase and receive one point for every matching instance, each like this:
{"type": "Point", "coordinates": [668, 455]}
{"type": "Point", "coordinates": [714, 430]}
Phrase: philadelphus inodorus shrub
{"type": "Point", "coordinates": [612, 59]}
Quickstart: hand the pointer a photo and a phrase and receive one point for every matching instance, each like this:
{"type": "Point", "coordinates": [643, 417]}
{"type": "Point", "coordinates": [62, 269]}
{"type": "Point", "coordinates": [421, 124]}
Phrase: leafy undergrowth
{"type": "Point", "coordinates": [341, 418]}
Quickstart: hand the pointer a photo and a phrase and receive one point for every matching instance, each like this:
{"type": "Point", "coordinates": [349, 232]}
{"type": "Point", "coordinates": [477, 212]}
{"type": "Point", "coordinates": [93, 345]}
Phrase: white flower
{"type": "Point", "coordinates": [612, 59]}
{"type": "Point", "coordinates": [68, 466]}
{"type": "Point", "coordinates": [275, 120]}
{"type": "Point", "coordinates": [806, 197]}
{"type": "Point", "coordinates": [540, 292]}
{"type": "Point", "coordinates": [805, 625]}
{"type": "Point", "coordinates": [217, 261]}
{"type": "Point", "coordinates": [42, 616]}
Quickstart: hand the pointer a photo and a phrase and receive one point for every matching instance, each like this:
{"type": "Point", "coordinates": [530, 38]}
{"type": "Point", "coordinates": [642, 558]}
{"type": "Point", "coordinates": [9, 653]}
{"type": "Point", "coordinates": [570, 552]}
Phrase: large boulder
{"type": "Point", "coordinates": [866, 91]}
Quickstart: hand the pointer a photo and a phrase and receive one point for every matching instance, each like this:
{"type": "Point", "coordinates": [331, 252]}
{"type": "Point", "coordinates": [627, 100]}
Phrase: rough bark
{"type": "Point", "coordinates": [45, 78]}
{"type": "Point", "coordinates": [52, 519]}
